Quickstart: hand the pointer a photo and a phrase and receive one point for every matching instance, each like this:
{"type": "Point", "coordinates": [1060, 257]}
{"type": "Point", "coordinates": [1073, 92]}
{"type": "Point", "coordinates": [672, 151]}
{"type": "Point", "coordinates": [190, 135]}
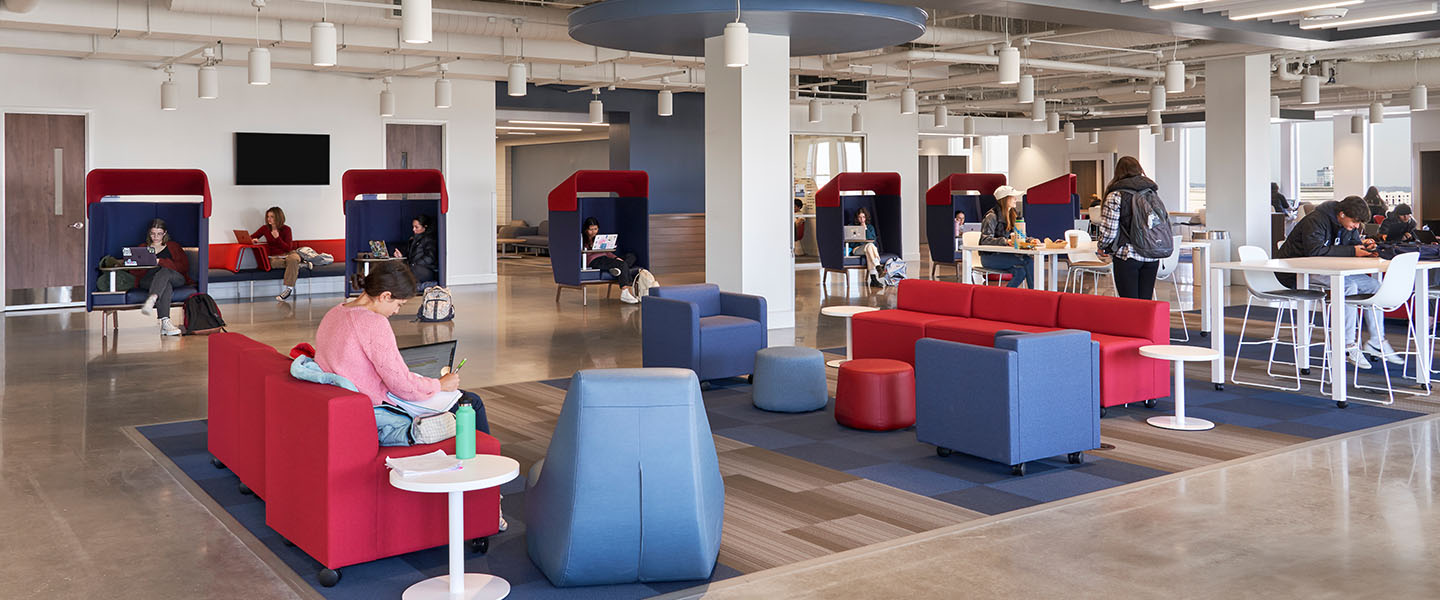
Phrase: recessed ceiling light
{"type": "Point", "coordinates": [1360, 20]}
{"type": "Point", "coordinates": [1295, 9]}
{"type": "Point", "coordinates": [504, 128]}
{"type": "Point", "coordinates": [519, 133]}
{"type": "Point", "coordinates": [571, 123]}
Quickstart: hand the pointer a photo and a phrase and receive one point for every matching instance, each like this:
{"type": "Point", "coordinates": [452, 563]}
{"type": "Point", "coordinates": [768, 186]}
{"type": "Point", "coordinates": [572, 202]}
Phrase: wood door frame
{"type": "Point", "coordinates": [444, 138]}
{"type": "Point", "coordinates": [89, 116]}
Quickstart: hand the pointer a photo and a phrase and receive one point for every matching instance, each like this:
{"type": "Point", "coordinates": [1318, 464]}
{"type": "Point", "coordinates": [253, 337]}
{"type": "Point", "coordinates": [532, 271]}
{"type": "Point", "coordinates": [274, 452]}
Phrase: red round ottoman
{"type": "Point", "coordinates": [876, 394]}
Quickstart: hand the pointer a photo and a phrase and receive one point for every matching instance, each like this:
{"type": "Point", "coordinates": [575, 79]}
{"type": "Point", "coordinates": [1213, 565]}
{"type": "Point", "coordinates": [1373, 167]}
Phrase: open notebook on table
{"type": "Point", "coordinates": [427, 360]}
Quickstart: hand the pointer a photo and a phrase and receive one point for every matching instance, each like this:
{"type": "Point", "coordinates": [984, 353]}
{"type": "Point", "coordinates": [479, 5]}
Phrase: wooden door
{"type": "Point", "coordinates": [44, 202]}
{"type": "Point", "coordinates": [414, 147]}
{"type": "Point", "coordinates": [1087, 178]}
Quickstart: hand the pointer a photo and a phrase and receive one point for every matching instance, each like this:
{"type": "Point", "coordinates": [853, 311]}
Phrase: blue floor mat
{"type": "Point", "coordinates": [185, 444]}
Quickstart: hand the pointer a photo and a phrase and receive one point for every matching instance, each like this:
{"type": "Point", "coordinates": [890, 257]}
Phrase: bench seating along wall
{"type": "Point", "coordinates": [370, 218]}
{"type": "Point", "coordinates": [626, 214]}
{"type": "Point", "coordinates": [945, 197]}
{"type": "Point", "coordinates": [973, 314]}
{"type": "Point", "coordinates": [226, 258]}
{"type": "Point", "coordinates": [834, 210]}
{"type": "Point", "coordinates": [1051, 208]}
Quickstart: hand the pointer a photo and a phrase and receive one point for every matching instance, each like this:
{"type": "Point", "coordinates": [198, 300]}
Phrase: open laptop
{"type": "Point", "coordinates": [1424, 236]}
{"type": "Point", "coordinates": [242, 236]}
{"type": "Point", "coordinates": [378, 250]}
{"type": "Point", "coordinates": [606, 241]}
{"type": "Point", "coordinates": [854, 232]}
{"type": "Point", "coordinates": [138, 256]}
{"type": "Point", "coordinates": [427, 359]}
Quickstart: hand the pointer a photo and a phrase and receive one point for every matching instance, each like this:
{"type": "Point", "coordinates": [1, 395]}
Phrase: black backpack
{"type": "Point", "coordinates": [1145, 224]}
{"type": "Point", "coordinates": [202, 316]}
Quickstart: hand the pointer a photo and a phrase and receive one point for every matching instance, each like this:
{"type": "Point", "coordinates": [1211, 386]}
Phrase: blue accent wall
{"type": "Point", "coordinates": [671, 149]}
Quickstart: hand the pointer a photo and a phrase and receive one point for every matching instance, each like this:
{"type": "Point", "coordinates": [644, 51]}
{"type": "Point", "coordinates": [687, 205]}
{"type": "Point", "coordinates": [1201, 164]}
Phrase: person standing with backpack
{"type": "Point", "coordinates": [1134, 229]}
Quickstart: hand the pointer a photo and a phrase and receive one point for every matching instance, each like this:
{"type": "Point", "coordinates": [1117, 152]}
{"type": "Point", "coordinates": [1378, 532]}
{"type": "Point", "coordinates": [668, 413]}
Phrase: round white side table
{"type": "Point", "coordinates": [483, 471]}
{"type": "Point", "coordinates": [1179, 355]}
{"type": "Point", "coordinates": [846, 312]}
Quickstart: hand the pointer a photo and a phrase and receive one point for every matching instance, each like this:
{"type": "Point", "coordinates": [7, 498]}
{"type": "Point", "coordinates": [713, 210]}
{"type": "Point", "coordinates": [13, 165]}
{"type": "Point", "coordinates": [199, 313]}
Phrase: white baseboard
{"type": "Point", "coordinates": [482, 278]}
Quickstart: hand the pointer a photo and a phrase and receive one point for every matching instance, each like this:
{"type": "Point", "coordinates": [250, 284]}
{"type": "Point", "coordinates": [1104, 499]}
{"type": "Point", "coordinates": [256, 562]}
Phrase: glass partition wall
{"type": "Point", "coordinates": [814, 160]}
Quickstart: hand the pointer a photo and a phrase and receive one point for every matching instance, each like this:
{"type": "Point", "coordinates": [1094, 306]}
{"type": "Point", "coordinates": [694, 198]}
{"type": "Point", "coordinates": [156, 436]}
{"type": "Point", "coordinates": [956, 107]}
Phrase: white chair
{"type": "Point", "coordinates": [1167, 271]}
{"type": "Point", "coordinates": [1263, 286]}
{"type": "Point", "coordinates": [1433, 297]}
{"type": "Point", "coordinates": [1084, 261]}
{"type": "Point", "coordinates": [971, 239]}
{"type": "Point", "coordinates": [1395, 290]}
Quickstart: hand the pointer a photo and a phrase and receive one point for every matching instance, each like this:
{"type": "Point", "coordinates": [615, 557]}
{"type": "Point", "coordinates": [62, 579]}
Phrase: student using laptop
{"type": "Point", "coordinates": [422, 252]}
{"type": "Point", "coordinates": [622, 267]}
{"type": "Point", "coordinates": [172, 271]}
{"type": "Point", "coordinates": [867, 249]}
{"type": "Point", "coordinates": [280, 246]}
{"type": "Point", "coordinates": [1399, 225]}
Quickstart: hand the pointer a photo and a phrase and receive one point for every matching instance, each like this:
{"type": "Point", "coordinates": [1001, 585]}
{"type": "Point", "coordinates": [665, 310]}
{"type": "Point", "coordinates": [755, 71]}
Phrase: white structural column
{"type": "Point", "coordinates": [1169, 173]}
{"type": "Point", "coordinates": [1289, 163]}
{"type": "Point", "coordinates": [1352, 172]}
{"type": "Point", "coordinates": [1237, 149]}
{"type": "Point", "coordinates": [747, 175]}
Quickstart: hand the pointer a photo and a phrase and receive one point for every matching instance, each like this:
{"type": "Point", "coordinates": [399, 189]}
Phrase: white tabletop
{"type": "Point", "coordinates": [1194, 244]}
{"type": "Point", "coordinates": [845, 311]}
{"type": "Point", "coordinates": [1311, 265]}
{"type": "Point", "coordinates": [1038, 250]}
{"type": "Point", "coordinates": [1178, 353]}
{"type": "Point", "coordinates": [371, 259]}
{"type": "Point", "coordinates": [483, 471]}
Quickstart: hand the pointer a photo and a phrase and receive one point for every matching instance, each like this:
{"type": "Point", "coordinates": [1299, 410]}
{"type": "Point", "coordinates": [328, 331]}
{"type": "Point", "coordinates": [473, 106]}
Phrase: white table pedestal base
{"type": "Point", "coordinates": [1180, 423]}
{"type": "Point", "coordinates": [478, 586]}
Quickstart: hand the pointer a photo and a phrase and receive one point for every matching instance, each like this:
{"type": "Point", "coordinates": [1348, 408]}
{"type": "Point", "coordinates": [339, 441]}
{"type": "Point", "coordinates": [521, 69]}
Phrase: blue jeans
{"type": "Point", "coordinates": [1018, 265]}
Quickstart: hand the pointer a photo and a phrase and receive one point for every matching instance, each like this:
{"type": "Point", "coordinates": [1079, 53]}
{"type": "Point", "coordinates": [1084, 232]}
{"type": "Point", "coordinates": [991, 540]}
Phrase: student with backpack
{"type": "Point", "coordinates": [1134, 229]}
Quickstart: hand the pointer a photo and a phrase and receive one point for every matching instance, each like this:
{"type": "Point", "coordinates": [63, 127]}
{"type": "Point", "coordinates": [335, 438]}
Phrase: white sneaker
{"type": "Point", "coordinates": [148, 308]}
{"type": "Point", "coordinates": [1358, 358]}
{"type": "Point", "coordinates": [627, 297]}
{"type": "Point", "coordinates": [168, 328]}
{"type": "Point", "coordinates": [1383, 349]}
{"type": "Point", "coordinates": [285, 293]}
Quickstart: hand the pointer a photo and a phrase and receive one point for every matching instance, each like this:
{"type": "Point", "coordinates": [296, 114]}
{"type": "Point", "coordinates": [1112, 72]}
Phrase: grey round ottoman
{"type": "Point", "coordinates": [790, 379]}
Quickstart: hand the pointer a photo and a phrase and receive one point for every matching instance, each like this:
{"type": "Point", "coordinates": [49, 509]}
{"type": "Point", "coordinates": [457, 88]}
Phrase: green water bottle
{"type": "Point", "coordinates": [464, 431]}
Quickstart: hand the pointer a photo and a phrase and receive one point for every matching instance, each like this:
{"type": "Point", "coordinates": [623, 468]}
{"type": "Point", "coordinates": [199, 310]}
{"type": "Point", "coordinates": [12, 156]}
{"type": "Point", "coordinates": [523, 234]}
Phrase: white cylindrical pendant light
{"type": "Point", "coordinates": [1025, 94]}
{"type": "Point", "coordinates": [968, 125]}
{"type": "Point", "coordinates": [1157, 97]}
{"type": "Point", "coordinates": [1377, 113]}
{"type": "Point", "coordinates": [1069, 131]}
{"type": "Point", "coordinates": [942, 116]}
{"type": "Point", "coordinates": [1052, 122]}
{"type": "Point", "coordinates": [1310, 89]}
{"type": "Point", "coordinates": [1169, 134]}
{"type": "Point", "coordinates": [259, 66]}
{"type": "Point", "coordinates": [169, 96]}
{"type": "Point", "coordinates": [1152, 118]}
{"type": "Point", "coordinates": [322, 44]}
{"type": "Point", "coordinates": [909, 102]}
{"type": "Point", "coordinates": [1037, 112]}
{"type": "Point", "coordinates": [1009, 65]}
{"type": "Point", "coordinates": [1357, 125]}
{"type": "Point", "coordinates": [1155, 130]}
{"type": "Point", "coordinates": [665, 103]}
{"type": "Point", "coordinates": [597, 111]}
{"type": "Point", "coordinates": [442, 93]}
{"type": "Point", "coordinates": [1175, 77]}
{"type": "Point", "coordinates": [1274, 107]}
{"type": "Point", "coordinates": [387, 103]}
{"type": "Point", "coordinates": [1095, 137]}
{"type": "Point", "coordinates": [1419, 97]}
{"type": "Point", "coordinates": [737, 44]}
{"type": "Point", "coordinates": [857, 122]}
{"type": "Point", "coordinates": [415, 21]}
{"type": "Point", "coordinates": [1025, 141]}
{"type": "Point", "coordinates": [969, 143]}
{"type": "Point", "coordinates": [817, 111]}
{"type": "Point", "coordinates": [515, 81]}
{"type": "Point", "coordinates": [209, 82]}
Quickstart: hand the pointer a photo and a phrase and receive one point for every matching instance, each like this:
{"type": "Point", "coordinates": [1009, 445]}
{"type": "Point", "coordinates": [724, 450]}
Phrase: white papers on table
{"type": "Point", "coordinates": [424, 464]}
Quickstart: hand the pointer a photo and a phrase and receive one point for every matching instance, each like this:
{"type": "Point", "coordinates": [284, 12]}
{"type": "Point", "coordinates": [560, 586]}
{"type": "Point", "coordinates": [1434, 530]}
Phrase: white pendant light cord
{"type": "Point", "coordinates": [737, 11]}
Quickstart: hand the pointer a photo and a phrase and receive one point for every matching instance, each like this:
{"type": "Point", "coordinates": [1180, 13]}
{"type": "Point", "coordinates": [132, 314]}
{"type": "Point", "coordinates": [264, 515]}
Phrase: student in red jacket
{"type": "Point", "coordinates": [280, 247]}
{"type": "Point", "coordinates": [162, 280]}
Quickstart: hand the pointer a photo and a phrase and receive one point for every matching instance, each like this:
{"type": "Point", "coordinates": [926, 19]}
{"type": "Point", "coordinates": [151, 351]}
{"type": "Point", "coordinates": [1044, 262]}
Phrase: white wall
{"type": "Point", "coordinates": [1351, 177]}
{"type": "Point", "coordinates": [127, 129]}
{"type": "Point", "coordinates": [1047, 157]}
{"type": "Point", "coordinates": [1169, 171]}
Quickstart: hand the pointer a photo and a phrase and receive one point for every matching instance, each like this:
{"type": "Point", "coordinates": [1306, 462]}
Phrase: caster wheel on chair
{"type": "Point", "coordinates": [704, 385]}
{"type": "Point", "coordinates": [328, 577]}
{"type": "Point", "coordinates": [1219, 387]}
{"type": "Point", "coordinates": [943, 451]}
{"type": "Point", "coordinates": [1204, 334]}
{"type": "Point", "coordinates": [246, 491]}
{"type": "Point", "coordinates": [1018, 470]}
{"type": "Point", "coordinates": [1075, 458]}
{"type": "Point", "coordinates": [1150, 403]}
{"type": "Point", "coordinates": [1104, 410]}
{"type": "Point", "coordinates": [480, 545]}
{"type": "Point", "coordinates": [217, 463]}
{"type": "Point", "coordinates": [288, 543]}
{"type": "Point", "coordinates": [1342, 404]}
{"type": "Point", "coordinates": [750, 379]}
{"type": "Point", "coordinates": [1304, 371]}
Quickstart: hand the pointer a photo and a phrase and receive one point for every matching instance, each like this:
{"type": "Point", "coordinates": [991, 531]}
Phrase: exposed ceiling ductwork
{"type": "Point", "coordinates": [923, 56]}
{"type": "Point", "coordinates": [1389, 75]}
{"type": "Point", "coordinates": [451, 16]}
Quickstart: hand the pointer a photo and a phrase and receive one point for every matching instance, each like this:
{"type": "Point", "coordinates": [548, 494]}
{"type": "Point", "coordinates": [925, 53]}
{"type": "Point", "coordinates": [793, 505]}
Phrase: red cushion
{"type": "Point", "coordinates": [875, 394]}
{"type": "Point", "coordinates": [1126, 317]}
{"type": "Point", "coordinates": [1015, 305]}
{"type": "Point", "coordinates": [1127, 377]}
{"type": "Point", "coordinates": [889, 333]}
{"type": "Point", "coordinates": [935, 297]}
{"type": "Point", "coordinates": [980, 332]}
{"type": "Point", "coordinates": [236, 405]}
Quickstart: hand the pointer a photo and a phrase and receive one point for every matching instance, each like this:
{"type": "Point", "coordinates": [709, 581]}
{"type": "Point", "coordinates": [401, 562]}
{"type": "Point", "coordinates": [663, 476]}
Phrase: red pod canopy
{"type": "Point", "coordinates": [985, 183]}
{"type": "Point", "coordinates": [883, 184]}
{"type": "Point", "coordinates": [393, 181]}
{"type": "Point", "coordinates": [100, 183]}
{"type": "Point", "coordinates": [625, 184]}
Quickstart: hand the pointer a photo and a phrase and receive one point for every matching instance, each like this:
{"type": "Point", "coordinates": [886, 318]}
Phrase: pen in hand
{"type": "Point", "coordinates": [459, 366]}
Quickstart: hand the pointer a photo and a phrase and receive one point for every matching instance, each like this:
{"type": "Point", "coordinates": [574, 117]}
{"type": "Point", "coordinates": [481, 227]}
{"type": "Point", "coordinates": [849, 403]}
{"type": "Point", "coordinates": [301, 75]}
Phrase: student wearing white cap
{"type": "Point", "coordinates": [997, 229]}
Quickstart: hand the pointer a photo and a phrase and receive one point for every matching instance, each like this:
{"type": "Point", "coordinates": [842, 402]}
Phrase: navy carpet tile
{"type": "Point", "coordinates": [184, 444]}
{"type": "Point", "coordinates": [896, 459]}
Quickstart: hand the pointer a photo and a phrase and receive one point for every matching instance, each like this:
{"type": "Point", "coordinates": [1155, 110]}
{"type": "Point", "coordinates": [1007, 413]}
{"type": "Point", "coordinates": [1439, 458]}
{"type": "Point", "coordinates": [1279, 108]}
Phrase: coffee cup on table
{"type": "Point", "coordinates": [1073, 239]}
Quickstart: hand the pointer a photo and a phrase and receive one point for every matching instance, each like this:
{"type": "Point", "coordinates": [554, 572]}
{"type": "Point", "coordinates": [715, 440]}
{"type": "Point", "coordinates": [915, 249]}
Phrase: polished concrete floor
{"type": "Point", "coordinates": [86, 510]}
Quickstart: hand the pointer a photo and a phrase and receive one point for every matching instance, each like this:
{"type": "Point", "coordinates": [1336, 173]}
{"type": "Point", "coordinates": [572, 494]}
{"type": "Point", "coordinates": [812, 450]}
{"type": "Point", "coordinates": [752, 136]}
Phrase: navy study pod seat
{"type": "Point", "coordinates": [114, 223]}
{"type": "Point", "coordinates": [834, 210]}
{"type": "Point", "coordinates": [371, 218]}
{"type": "Point", "coordinates": [1051, 208]}
{"type": "Point", "coordinates": [946, 197]}
{"type": "Point", "coordinates": [626, 214]}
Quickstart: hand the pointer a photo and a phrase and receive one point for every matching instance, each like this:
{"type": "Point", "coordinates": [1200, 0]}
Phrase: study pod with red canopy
{"type": "Point", "coordinates": [618, 200]}
{"type": "Point", "coordinates": [119, 206]}
{"type": "Point", "coordinates": [835, 208]}
{"type": "Point", "coordinates": [369, 217]}
{"type": "Point", "coordinates": [970, 193]}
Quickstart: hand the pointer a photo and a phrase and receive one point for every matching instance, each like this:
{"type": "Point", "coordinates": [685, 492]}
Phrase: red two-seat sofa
{"type": "Point", "coordinates": [972, 314]}
{"type": "Point", "coordinates": [312, 452]}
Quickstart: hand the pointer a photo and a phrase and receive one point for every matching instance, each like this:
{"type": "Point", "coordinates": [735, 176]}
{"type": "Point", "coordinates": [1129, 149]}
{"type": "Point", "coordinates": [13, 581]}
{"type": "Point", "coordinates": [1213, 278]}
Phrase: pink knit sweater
{"type": "Point", "coordinates": [358, 344]}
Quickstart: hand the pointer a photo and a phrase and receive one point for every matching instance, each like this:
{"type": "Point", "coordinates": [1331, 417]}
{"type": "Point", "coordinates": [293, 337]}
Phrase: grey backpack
{"type": "Point", "coordinates": [1145, 224]}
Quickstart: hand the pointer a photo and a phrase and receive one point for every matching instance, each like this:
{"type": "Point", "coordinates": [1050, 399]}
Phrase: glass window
{"type": "Point", "coordinates": [1390, 159]}
{"type": "Point", "coordinates": [1195, 150]}
{"type": "Point", "coordinates": [1315, 160]}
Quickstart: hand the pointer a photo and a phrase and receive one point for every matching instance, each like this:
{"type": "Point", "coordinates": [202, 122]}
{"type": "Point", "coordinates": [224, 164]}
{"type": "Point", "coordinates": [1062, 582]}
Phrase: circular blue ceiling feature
{"type": "Point", "coordinates": [680, 27]}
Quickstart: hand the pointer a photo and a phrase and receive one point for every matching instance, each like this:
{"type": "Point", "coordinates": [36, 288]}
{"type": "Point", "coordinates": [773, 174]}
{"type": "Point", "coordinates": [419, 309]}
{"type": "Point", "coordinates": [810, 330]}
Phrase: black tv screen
{"type": "Point", "coordinates": [282, 159]}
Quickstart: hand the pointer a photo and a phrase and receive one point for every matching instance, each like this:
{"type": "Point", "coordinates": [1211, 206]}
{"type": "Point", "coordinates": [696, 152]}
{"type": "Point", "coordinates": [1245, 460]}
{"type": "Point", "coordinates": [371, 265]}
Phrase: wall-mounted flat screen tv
{"type": "Point", "coordinates": [282, 159]}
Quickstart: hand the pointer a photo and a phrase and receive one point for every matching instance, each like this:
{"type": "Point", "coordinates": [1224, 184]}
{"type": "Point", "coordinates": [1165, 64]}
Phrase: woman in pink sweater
{"type": "Point", "coordinates": [355, 341]}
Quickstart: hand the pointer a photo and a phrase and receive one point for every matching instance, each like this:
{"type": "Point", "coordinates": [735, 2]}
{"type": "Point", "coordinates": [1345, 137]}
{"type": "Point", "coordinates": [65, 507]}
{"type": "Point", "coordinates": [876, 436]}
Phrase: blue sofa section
{"type": "Point", "coordinates": [630, 488]}
{"type": "Point", "coordinates": [698, 327]}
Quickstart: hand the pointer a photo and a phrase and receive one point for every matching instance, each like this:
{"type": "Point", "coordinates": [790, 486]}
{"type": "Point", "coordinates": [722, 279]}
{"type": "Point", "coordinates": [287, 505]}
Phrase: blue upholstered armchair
{"type": "Point", "coordinates": [698, 327]}
{"type": "Point", "coordinates": [1032, 396]}
{"type": "Point", "coordinates": [630, 488]}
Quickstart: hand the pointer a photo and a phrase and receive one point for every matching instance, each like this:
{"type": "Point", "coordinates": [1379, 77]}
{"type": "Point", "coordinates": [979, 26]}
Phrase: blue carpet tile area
{"type": "Point", "coordinates": [896, 459]}
{"type": "Point", "coordinates": [184, 444]}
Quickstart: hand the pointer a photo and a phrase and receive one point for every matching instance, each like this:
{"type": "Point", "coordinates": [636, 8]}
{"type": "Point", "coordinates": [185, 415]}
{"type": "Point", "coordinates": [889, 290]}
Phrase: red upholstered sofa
{"type": "Point", "coordinates": [973, 314]}
{"type": "Point", "coordinates": [323, 479]}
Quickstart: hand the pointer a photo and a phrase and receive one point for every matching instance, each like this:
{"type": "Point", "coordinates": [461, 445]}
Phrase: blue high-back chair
{"type": "Point", "coordinates": [949, 195]}
{"type": "Point", "coordinates": [370, 218]}
{"type": "Point", "coordinates": [114, 223]}
{"type": "Point", "coordinates": [1051, 208]}
{"type": "Point", "coordinates": [630, 488]}
{"type": "Point", "coordinates": [698, 327]}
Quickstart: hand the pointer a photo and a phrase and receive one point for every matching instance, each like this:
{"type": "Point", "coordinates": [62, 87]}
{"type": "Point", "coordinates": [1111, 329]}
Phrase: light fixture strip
{"type": "Point", "coordinates": [1177, 3]}
{"type": "Point", "coordinates": [522, 122]}
{"type": "Point", "coordinates": [505, 128]}
{"type": "Point", "coordinates": [1357, 21]}
{"type": "Point", "coordinates": [1295, 9]}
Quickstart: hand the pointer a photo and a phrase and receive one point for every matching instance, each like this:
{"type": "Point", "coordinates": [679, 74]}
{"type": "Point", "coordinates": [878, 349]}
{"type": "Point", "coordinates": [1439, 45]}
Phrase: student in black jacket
{"type": "Point", "coordinates": [422, 251]}
{"type": "Point", "coordinates": [1399, 226]}
{"type": "Point", "coordinates": [1333, 229]}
